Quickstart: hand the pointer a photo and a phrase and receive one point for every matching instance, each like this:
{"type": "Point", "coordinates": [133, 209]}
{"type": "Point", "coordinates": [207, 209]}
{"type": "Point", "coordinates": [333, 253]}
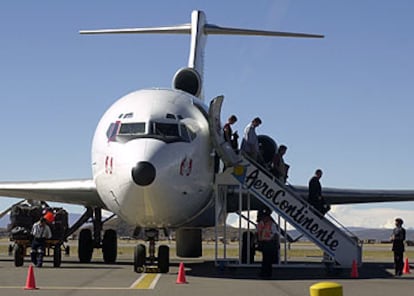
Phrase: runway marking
{"type": "Point", "coordinates": [146, 281]}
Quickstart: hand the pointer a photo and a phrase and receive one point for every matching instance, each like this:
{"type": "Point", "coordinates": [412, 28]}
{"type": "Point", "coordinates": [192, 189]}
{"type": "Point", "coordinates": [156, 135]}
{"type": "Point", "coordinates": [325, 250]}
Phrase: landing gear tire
{"type": "Point", "coordinates": [163, 259]}
{"type": "Point", "coordinates": [85, 246]}
{"type": "Point", "coordinates": [109, 246]}
{"type": "Point", "coordinates": [139, 258]}
{"type": "Point", "coordinates": [57, 256]}
{"type": "Point", "coordinates": [18, 255]}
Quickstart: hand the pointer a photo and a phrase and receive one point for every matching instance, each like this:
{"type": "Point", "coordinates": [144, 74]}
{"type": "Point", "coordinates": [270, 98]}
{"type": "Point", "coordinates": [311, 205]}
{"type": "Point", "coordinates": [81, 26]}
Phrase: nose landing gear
{"type": "Point", "coordinates": [151, 263]}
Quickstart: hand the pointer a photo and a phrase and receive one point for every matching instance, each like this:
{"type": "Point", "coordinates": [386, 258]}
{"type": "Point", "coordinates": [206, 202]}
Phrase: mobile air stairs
{"type": "Point", "coordinates": [245, 178]}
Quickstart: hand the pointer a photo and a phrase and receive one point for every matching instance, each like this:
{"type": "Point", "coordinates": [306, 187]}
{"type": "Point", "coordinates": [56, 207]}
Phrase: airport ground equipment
{"type": "Point", "coordinates": [22, 218]}
{"type": "Point", "coordinates": [244, 176]}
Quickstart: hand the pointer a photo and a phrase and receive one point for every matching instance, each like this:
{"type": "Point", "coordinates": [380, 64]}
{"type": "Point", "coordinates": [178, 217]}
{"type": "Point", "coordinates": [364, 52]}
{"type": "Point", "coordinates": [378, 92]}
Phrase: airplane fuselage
{"type": "Point", "coordinates": [151, 158]}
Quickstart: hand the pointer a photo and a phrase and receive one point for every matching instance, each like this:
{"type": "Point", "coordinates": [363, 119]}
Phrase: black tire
{"type": "Point", "coordinates": [109, 246]}
{"type": "Point", "coordinates": [57, 256]}
{"type": "Point", "coordinates": [18, 255]}
{"type": "Point", "coordinates": [163, 259]}
{"type": "Point", "coordinates": [85, 246]}
{"type": "Point", "coordinates": [139, 258]}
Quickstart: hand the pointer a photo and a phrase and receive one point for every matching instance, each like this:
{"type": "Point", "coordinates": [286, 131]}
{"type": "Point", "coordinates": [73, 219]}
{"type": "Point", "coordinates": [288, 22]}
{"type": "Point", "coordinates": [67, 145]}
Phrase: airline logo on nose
{"type": "Point", "coordinates": [186, 166]}
{"type": "Point", "coordinates": [109, 165]}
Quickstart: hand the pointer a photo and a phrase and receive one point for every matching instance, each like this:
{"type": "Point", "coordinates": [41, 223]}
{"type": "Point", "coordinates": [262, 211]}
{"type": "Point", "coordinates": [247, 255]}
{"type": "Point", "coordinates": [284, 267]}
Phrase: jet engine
{"type": "Point", "coordinates": [188, 80]}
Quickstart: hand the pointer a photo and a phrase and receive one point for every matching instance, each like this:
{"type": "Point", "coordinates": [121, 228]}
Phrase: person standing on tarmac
{"type": "Point", "coordinates": [267, 236]}
{"type": "Point", "coordinates": [397, 238]}
{"type": "Point", "coordinates": [40, 232]}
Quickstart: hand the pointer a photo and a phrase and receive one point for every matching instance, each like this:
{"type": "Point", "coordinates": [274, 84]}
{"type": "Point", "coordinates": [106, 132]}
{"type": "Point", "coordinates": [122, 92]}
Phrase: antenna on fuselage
{"type": "Point", "coordinates": [190, 79]}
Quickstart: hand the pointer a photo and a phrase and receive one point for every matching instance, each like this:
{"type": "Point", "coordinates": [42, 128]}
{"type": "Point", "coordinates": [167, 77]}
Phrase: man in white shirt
{"type": "Point", "coordinates": [250, 142]}
{"type": "Point", "coordinates": [40, 232]}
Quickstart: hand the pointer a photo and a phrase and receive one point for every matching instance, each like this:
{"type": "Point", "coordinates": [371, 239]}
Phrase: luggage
{"type": "Point", "coordinates": [23, 216]}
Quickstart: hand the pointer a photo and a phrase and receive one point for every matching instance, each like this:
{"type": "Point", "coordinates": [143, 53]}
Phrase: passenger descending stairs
{"type": "Point", "coordinates": [341, 247]}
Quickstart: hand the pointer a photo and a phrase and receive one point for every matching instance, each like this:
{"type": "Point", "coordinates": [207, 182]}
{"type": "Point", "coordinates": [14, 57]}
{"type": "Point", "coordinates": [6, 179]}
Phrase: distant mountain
{"type": "Point", "coordinates": [376, 234]}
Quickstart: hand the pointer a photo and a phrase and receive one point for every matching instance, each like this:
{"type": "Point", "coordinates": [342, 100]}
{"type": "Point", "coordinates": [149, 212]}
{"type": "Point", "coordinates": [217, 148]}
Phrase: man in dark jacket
{"type": "Point", "coordinates": [315, 197]}
{"type": "Point", "coordinates": [398, 238]}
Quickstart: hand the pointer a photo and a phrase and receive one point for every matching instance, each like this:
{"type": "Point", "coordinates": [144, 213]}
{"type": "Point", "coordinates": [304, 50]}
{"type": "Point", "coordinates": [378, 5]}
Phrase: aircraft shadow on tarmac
{"type": "Point", "coordinates": [367, 271]}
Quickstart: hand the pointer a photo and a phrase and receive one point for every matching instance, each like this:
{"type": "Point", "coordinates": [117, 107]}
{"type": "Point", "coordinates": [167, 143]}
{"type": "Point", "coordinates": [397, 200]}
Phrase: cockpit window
{"type": "Point", "coordinates": [171, 132]}
{"type": "Point", "coordinates": [167, 132]}
{"type": "Point", "coordinates": [184, 133]}
{"type": "Point", "coordinates": [132, 128]}
{"type": "Point", "coordinates": [112, 131]}
{"type": "Point", "coordinates": [166, 129]}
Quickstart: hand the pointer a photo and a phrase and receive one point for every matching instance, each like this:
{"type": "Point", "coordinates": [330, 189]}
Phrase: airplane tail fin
{"type": "Point", "coordinates": [190, 79]}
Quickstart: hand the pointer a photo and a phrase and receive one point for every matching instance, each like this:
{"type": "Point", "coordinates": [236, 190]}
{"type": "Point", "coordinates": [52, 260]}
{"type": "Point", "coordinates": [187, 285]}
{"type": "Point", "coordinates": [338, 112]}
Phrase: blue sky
{"type": "Point", "coordinates": [343, 103]}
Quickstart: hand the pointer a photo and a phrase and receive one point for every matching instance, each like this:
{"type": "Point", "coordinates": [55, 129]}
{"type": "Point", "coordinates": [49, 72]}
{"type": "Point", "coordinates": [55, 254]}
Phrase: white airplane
{"type": "Point", "coordinates": [153, 161]}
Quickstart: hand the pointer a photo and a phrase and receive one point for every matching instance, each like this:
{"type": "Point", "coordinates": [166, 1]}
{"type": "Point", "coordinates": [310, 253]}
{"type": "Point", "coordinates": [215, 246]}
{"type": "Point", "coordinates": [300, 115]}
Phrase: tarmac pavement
{"type": "Point", "coordinates": [203, 278]}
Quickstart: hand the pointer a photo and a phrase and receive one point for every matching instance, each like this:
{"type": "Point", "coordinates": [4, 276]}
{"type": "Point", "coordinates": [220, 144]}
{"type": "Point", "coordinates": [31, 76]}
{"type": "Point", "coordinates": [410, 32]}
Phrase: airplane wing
{"type": "Point", "coordinates": [336, 196]}
{"type": "Point", "coordinates": [79, 192]}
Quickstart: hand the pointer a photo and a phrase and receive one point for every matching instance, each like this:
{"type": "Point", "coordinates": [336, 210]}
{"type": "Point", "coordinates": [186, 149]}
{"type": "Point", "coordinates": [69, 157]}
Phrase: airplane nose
{"type": "Point", "coordinates": [143, 173]}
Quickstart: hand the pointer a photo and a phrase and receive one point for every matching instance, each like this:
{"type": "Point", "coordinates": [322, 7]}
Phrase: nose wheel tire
{"type": "Point", "coordinates": [139, 258]}
{"type": "Point", "coordinates": [163, 259]}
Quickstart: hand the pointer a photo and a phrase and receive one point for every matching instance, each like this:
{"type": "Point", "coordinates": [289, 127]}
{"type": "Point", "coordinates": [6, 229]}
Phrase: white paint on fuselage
{"type": "Point", "coordinates": [174, 197]}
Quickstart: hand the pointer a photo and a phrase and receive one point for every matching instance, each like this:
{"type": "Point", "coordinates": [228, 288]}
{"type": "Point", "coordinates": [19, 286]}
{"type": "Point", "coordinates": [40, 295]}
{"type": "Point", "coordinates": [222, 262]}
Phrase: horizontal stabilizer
{"type": "Point", "coordinates": [213, 29]}
{"type": "Point", "coordinates": [180, 29]}
{"type": "Point", "coordinates": [208, 30]}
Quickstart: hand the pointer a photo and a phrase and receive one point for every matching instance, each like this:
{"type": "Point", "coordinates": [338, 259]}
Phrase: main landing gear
{"type": "Point", "coordinates": [88, 241]}
{"type": "Point", "coordinates": [151, 263]}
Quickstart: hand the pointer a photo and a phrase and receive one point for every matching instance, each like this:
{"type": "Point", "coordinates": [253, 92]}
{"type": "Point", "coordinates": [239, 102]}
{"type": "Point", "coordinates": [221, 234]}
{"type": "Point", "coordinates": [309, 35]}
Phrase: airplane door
{"type": "Point", "coordinates": [223, 148]}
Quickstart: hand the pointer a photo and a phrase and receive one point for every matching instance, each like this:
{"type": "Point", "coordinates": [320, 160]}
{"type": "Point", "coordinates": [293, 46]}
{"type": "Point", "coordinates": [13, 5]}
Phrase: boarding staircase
{"type": "Point", "coordinates": [342, 248]}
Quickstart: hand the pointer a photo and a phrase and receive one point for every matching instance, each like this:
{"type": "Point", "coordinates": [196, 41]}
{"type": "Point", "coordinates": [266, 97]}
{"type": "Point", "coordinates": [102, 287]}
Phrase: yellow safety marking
{"type": "Point", "coordinates": [146, 281]}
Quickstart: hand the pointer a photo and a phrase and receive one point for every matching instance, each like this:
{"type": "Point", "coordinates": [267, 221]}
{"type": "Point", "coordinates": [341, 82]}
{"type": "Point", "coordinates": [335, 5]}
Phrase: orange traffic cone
{"type": "Point", "coordinates": [181, 275]}
{"type": "Point", "coordinates": [354, 271]}
{"type": "Point", "coordinates": [30, 281]}
{"type": "Point", "coordinates": [406, 269]}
